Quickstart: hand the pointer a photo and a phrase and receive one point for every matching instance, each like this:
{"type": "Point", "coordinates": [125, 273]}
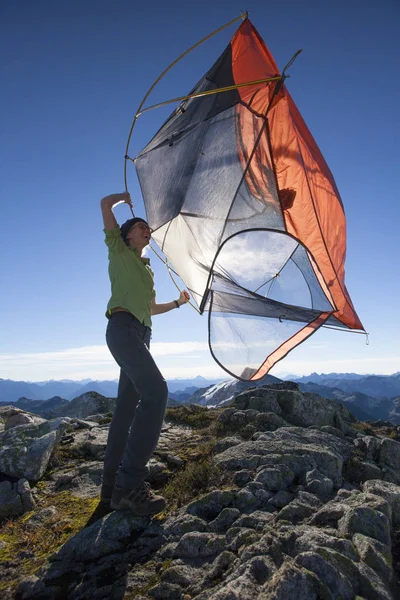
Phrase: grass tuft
{"type": "Point", "coordinates": [195, 479]}
{"type": "Point", "coordinates": [198, 476]}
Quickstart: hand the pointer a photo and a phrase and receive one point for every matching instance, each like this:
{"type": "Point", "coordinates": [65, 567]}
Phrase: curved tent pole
{"type": "Point", "coordinates": [227, 88]}
{"type": "Point", "coordinates": [243, 16]}
{"type": "Point", "coordinates": [170, 271]}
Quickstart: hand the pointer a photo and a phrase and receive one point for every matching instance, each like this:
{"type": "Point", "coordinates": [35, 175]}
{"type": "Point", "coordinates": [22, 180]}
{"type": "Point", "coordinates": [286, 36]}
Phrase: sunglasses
{"type": "Point", "coordinates": [142, 226]}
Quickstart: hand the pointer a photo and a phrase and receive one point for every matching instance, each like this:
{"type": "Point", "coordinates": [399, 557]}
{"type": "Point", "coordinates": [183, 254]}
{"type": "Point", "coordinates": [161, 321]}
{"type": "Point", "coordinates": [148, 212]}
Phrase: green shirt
{"type": "Point", "coordinates": [132, 280]}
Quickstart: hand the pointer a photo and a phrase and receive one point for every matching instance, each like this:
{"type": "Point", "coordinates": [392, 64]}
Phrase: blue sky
{"type": "Point", "coordinates": [72, 76]}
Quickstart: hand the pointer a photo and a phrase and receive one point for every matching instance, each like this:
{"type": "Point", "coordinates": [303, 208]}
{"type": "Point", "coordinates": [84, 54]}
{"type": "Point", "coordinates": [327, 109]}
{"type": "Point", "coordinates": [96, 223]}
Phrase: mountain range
{"type": "Point", "coordinates": [11, 391]}
{"type": "Point", "coordinates": [368, 397]}
{"type": "Point", "coordinates": [379, 386]}
{"type": "Point", "coordinates": [364, 407]}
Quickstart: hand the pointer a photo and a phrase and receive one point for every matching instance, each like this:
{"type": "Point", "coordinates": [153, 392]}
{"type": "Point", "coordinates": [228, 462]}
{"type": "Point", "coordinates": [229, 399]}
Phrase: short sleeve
{"type": "Point", "coordinates": [113, 240]}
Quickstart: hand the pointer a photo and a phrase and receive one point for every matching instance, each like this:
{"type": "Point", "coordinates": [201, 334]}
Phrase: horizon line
{"type": "Point", "coordinates": [88, 379]}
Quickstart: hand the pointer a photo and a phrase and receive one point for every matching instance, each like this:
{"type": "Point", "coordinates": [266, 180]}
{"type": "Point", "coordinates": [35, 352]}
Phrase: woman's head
{"type": "Point", "coordinates": [136, 232]}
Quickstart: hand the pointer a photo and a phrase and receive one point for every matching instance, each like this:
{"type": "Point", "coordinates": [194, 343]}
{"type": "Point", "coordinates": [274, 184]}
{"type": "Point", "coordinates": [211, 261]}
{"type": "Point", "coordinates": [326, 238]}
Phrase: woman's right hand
{"type": "Point", "coordinates": [108, 203]}
{"type": "Point", "coordinates": [114, 199]}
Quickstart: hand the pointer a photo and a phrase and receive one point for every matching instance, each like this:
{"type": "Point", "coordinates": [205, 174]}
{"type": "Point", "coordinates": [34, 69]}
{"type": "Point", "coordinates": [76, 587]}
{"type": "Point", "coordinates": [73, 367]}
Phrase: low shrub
{"type": "Point", "coordinates": [196, 478]}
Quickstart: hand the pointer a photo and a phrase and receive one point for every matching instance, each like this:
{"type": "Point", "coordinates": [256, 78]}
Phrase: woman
{"type": "Point", "coordinates": [142, 391]}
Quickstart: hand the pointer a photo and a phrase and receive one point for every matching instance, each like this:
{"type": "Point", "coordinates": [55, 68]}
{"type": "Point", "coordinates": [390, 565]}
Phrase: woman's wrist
{"type": "Point", "coordinates": [177, 305]}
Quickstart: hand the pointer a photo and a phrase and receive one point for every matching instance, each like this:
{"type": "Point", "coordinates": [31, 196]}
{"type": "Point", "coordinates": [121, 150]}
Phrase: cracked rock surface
{"type": "Point", "coordinates": [259, 507]}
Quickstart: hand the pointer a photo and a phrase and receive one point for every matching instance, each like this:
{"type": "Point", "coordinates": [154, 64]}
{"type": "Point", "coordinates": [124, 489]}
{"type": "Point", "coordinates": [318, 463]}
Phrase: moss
{"type": "Point", "coordinates": [192, 415]}
{"type": "Point", "coordinates": [41, 485]}
{"type": "Point", "coordinates": [166, 564]}
{"type": "Point", "coordinates": [26, 516]}
{"type": "Point", "coordinates": [45, 539]}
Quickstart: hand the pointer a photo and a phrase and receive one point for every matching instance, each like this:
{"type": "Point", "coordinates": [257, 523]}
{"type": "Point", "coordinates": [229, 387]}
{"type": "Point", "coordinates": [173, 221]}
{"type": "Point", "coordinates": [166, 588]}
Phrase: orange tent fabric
{"type": "Point", "coordinates": [314, 213]}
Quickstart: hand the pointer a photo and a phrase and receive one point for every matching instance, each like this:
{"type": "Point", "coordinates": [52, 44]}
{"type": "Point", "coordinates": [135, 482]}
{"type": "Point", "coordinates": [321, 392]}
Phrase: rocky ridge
{"type": "Point", "coordinates": [282, 493]}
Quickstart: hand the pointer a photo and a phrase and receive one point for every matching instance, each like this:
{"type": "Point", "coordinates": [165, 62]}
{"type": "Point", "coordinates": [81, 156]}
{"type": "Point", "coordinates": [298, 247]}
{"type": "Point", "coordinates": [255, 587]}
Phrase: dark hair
{"type": "Point", "coordinates": [127, 226]}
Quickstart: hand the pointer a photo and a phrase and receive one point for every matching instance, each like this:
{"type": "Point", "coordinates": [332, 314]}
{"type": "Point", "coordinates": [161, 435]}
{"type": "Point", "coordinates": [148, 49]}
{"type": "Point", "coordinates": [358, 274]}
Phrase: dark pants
{"type": "Point", "coordinates": [142, 399]}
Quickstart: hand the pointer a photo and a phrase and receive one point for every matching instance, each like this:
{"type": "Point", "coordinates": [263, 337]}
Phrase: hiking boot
{"type": "Point", "coordinates": [105, 496]}
{"type": "Point", "coordinates": [141, 501]}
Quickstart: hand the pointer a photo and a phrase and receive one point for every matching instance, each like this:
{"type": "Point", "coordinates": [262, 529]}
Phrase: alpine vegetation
{"type": "Point", "coordinates": [278, 494]}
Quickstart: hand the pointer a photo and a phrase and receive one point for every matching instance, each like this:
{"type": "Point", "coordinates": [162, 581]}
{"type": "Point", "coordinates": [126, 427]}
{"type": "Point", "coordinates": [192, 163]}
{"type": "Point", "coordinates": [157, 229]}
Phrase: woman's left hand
{"type": "Point", "coordinates": [184, 298]}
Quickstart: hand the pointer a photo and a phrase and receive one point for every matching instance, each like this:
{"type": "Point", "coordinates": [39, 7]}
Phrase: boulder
{"type": "Point", "coordinates": [308, 409]}
{"type": "Point", "coordinates": [181, 575]}
{"type": "Point", "coordinates": [389, 453]}
{"type": "Point", "coordinates": [184, 523]}
{"type": "Point", "coordinates": [199, 545]}
{"type": "Point", "coordinates": [375, 554]}
{"type": "Point", "coordinates": [210, 505]}
{"type": "Point", "coordinates": [391, 493]}
{"type": "Point", "coordinates": [24, 491]}
{"type": "Point", "coordinates": [367, 521]}
{"type": "Point", "coordinates": [83, 481]}
{"type": "Point", "coordinates": [260, 399]}
{"type": "Point", "coordinates": [318, 484]}
{"type": "Point", "coordinates": [362, 470]}
{"type": "Point", "coordinates": [224, 520]}
{"type": "Point", "coordinates": [281, 499]}
{"type": "Point", "coordinates": [310, 539]}
{"type": "Point", "coordinates": [25, 450]}
{"type": "Point", "coordinates": [91, 442]}
{"type": "Point", "coordinates": [269, 421]}
{"type": "Point", "coordinates": [300, 449]}
{"type": "Point", "coordinates": [13, 416]}
{"type": "Point", "coordinates": [295, 512]}
{"type": "Point", "coordinates": [103, 537]}
{"type": "Point", "coordinates": [18, 419]}
{"type": "Point", "coordinates": [15, 498]}
{"type": "Point", "coordinates": [338, 584]}
{"type": "Point", "coordinates": [10, 500]}
{"type": "Point", "coordinates": [369, 446]}
{"type": "Point", "coordinates": [292, 581]}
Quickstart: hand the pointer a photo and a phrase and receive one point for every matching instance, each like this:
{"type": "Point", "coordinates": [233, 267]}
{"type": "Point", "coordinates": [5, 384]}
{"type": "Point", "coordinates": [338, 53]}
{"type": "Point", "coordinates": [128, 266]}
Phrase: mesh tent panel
{"type": "Point", "coordinates": [240, 343]}
{"type": "Point", "coordinates": [262, 262]}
